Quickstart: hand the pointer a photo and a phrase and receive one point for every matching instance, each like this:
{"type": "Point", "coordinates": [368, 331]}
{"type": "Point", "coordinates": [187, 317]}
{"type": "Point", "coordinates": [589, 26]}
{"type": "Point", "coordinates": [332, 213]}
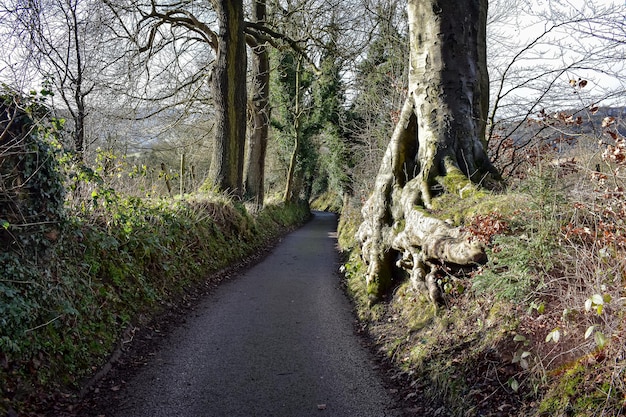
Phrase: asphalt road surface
{"type": "Point", "coordinates": [278, 340]}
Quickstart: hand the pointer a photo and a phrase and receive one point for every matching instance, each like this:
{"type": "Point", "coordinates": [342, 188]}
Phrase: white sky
{"type": "Point", "coordinates": [516, 23]}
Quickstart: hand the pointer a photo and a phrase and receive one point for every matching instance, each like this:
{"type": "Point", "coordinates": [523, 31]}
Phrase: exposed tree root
{"type": "Point", "coordinates": [398, 233]}
{"type": "Point", "coordinates": [436, 147]}
{"type": "Point", "coordinates": [398, 236]}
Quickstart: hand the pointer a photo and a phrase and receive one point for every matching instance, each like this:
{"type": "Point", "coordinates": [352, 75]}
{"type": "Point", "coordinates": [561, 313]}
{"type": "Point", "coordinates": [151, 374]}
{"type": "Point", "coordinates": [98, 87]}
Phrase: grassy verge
{"type": "Point", "coordinates": [329, 201]}
{"type": "Point", "coordinates": [114, 264]}
{"type": "Point", "coordinates": [539, 330]}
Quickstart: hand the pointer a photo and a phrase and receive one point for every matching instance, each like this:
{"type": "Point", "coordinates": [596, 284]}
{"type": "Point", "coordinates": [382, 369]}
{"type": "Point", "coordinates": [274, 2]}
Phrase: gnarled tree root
{"type": "Point", "coordinates": [426, 242]}
{"type": "Point", "coordinates": [417, 243]}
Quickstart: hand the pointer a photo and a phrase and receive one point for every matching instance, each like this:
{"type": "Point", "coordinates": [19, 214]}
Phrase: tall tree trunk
{"type": "Point", "coordinates": [257, 144]}
{"type": "Point", "coordinates": [229, 80]}
{"type": "Point", "coordinates": [79, 96]}
{"type": "Point", "coordinates": [447, 81]}
{"type": "Point", "coordinates": [290, 187]}
{"type": "Point", "coordinates": [438, 141]}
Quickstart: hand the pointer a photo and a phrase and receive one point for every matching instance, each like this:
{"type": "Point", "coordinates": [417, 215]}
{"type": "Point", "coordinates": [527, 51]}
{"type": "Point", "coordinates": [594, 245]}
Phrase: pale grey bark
{"type": "Point", "coordinates": [438, 141]}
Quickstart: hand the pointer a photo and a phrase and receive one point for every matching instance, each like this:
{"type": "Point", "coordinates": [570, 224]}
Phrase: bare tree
{"type": "Point", "coordinates": [219, 30]}
{"type": "Point", "coordinates": [61, 41]}
{"type": "Point", "coordinates": [437, 144]}
{"type": "Point", "coordinates": [229, 76]}
{"type": "Point", "coordinates": [560, 58]}
{"type": "Point", "coordinates": [378, 89]}
{"type": "Point", "coordinates": [260, 109]}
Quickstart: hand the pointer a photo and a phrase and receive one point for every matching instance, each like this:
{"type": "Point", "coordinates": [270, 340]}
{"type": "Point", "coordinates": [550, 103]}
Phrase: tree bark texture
{"type": "Point", "coordinates": [229, 80]}
{"type": "Point", "coordinates": [291, 186]}
{"type": "Point", "coordinates": [437, 146]}
{"type": "Point", "coordinates": [260, 109]}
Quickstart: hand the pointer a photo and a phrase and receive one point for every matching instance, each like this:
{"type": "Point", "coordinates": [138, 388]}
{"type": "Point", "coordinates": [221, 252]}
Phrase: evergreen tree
{"type": "Point", "coordinates": [292, 123]}
{"type": "Point", "coordinates": [330, 119]}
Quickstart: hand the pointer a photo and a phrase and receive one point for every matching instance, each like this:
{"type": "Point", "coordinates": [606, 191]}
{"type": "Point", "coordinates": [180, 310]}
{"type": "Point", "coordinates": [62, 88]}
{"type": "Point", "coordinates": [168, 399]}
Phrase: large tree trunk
{"type": "Point", "coordinates": [436, 145]}
{"type": "Point", "coordinates": [257, 144]}
{"type": "Point", "coordinates": [229, 79]}
{"type": "Point", "coordinates": [291, 187]}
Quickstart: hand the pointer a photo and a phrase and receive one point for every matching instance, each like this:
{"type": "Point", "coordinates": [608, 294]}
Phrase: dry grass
{"type": "Point", "coordinates": [540, 330]}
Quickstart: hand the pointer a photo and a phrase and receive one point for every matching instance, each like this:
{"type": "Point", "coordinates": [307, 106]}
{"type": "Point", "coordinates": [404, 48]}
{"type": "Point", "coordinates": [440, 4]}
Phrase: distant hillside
{"type": "Point", "coordinates": [564, 127]}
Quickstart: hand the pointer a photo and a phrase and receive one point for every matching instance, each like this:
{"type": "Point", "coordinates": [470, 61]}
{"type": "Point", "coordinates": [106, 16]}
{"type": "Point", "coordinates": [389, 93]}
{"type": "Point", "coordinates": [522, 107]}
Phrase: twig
{"type": "Point", "coordinates": [13, 281]}
{"type": "Point", "coordinates": [43, 325]}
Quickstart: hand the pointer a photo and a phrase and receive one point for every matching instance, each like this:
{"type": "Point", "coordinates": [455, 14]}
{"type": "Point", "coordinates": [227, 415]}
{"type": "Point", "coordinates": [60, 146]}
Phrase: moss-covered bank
{"type": "Point", "coordinates": [537, 331]}
{"type": "Point", "coordinates": [115, 265]}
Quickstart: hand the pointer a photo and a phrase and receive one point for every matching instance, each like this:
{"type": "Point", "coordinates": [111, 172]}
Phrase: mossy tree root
{"type": "Point", "coordinates": [398, 233]}
{"type": "Point", "coordinates": [437, 146]}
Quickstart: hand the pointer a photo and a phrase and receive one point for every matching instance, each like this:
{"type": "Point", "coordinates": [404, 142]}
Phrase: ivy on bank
{"type": "Point", "coordinates": [72, 281]}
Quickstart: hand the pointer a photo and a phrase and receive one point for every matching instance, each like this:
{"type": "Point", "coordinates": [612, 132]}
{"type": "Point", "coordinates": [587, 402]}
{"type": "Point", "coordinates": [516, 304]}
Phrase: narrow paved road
{"type": "Point", "coordinates": [276, 341]}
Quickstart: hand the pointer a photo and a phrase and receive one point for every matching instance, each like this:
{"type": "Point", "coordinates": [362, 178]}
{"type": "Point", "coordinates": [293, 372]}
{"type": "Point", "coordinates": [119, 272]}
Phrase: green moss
{"type": "Point", "coordinates": [420, 311]}
{"type": "Point", "coordinates": [559, 399]}
{"type": "Point", "coordinates": [377, 286]}
{"type": "Point", "coordinates": [462, 210]}
{"type": "Point", "coordinates": [456, 182]}
{"type": "Point", "coordinates": [354, 272]}
{"type": "Point", "coordinates": [399, 226]}
{"type": "Point", "coordinates": [328, 201]}
{"type": "Point", "coordinates": [115, 265]}
{"type": "Point", "coordinates": [348, 226]}
{"type": "Point", "coordinates": [580, 390]}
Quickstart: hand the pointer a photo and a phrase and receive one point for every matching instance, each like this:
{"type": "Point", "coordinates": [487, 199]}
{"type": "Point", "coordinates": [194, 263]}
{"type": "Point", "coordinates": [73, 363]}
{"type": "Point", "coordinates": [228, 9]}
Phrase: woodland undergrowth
{"type": "Point", "coordinates": [115, 265]}
{"type": "Point", "coordinates": [83, 264]}
{"type": "Point", "coordinates": [540, 329]}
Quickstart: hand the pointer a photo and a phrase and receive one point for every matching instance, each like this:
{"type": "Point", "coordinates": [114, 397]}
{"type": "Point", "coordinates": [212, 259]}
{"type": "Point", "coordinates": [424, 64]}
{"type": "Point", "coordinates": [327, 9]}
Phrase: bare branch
{"type": "Point", "coordinates": [262, 33]}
